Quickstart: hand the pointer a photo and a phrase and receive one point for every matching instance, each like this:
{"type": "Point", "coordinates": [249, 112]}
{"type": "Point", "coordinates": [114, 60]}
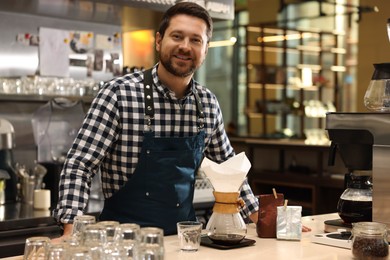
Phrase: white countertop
{"type": "Point", "coordinates": [268, 248]}
{"type": "Point", "coordinates": [264, 248]}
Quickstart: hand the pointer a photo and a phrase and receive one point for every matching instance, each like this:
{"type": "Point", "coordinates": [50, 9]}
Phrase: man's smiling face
{"type": "Point", "coordinates": [184, 46]}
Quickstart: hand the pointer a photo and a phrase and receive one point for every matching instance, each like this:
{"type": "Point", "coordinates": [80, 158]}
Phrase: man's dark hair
{"type": "Point", "coordinates": [187, 8]}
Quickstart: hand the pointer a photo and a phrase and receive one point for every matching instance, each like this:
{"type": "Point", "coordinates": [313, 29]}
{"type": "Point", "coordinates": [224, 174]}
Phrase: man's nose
{"type": "Point", "coordinates": [185, 44]}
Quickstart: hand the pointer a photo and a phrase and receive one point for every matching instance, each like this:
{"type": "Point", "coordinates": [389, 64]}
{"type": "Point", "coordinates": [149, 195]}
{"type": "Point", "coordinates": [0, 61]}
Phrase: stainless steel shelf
{"type": "Point", "coordinates": [41, 98]}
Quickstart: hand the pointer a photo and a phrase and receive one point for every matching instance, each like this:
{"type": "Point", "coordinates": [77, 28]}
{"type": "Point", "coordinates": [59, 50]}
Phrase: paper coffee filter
{"type": "Point", "coordinates": [229, 175]}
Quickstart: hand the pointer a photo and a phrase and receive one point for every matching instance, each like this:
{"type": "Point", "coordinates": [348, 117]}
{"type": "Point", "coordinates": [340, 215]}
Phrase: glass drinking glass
{"type": "Point", "coordinates": [56, 251]}
{"type": "Point", "coordinates": [94, 237]}
{"type": "Point", "coordinates": [80, 222]}
{"type": "Point", "coordinates": [128, 235]}
{"type": "Point", "coordinates": [189, 233]}
{"type": "Point", "coordinates": [151, 243]}
{"type": "Point", "coordinates": [79, 253]}
{"type": "Point", "coordinates": [114, 251]}
{"type": "Point", "coordinates": [110, 227]}
{"type": "Point", "coordinates": [71, 241]}
{"type": "Point", "coordinates": [35, 248]}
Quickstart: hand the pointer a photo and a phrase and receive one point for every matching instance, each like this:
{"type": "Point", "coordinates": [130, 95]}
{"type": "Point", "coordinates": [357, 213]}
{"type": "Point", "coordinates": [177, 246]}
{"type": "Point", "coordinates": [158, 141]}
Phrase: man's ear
{"type": "Point", "coordinates": [207, 48]}
{"type": "Point", "coordinates": [158, 41]}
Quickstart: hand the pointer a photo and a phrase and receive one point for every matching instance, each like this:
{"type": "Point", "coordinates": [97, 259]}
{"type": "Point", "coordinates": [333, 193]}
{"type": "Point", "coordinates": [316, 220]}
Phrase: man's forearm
{"type": "Point", "coordinates": [254, 217]}
{"type": "Point", "coordinates": [68, 229]}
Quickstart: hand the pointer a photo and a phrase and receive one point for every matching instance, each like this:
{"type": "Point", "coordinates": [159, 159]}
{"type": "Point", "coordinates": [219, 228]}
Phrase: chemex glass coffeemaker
{"type": "Point", "coordinates": [226, 225]}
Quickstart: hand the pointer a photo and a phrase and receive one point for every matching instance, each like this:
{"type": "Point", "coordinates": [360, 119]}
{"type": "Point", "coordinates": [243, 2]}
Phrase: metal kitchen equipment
{"type": "Point", "coordinates": [3, 177]}
{"type": "Point", "coordinates": [7, 143]}
{"type": "Point", "coordinates": [364, 144]}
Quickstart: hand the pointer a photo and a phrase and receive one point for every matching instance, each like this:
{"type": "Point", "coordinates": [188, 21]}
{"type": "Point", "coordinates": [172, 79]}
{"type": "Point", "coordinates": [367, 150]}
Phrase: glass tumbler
{"type": "Point", "coordinates": [35, 248]}
{"type": "Point", "coordinates": [114, 251]}
{"type": "Point", "coordinates": [79, 253]}
{"type": "Point", "coordinates": [110, 227]}
{"type": "Point", "coordinates": [151, 244]}
{"type": "Point", "coordinates": [94, 237]}
{"type": "Point", "coordinates": [128, 235]}
{"type": "Point", "coordinates": [56, 251]}
{"type": "Point", "coordinates": [189, 233]}
{"type": "Point", "coordinates": [80, 222]}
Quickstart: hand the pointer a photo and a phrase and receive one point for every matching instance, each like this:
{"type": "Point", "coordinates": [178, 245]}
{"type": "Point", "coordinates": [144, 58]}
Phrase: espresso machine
{"type": "Point", "coordinates": [8, 177]}
{"type": "Point", "coordinates": [363, 141]}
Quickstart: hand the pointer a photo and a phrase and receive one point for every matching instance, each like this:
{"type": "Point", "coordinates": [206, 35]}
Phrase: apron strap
{"type": "Point", "coordinates": [148, 95]}
{"type": "Point", "coordinates": [149, 106]}
{"type": "Point", "coordinates": [199, 109]}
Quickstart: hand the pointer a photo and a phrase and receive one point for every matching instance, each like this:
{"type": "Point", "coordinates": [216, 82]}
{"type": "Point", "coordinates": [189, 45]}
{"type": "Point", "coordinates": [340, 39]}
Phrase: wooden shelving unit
{"type": "Point", "coordinates": [276, 96]}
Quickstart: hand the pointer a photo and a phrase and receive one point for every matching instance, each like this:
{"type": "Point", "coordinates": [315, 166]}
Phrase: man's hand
{"type": "Point", "coordinates": [66, 234]}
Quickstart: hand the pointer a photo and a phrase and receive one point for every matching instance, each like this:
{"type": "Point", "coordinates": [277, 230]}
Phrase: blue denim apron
{"type": "Point", "coordinates": [161, 189]}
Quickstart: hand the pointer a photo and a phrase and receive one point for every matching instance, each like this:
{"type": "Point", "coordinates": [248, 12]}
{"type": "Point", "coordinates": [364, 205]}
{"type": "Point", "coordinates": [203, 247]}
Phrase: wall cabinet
{"type": "Point", "coordinates": [293, 79]}
{"type": "Point", "coordinates": [296, 169]}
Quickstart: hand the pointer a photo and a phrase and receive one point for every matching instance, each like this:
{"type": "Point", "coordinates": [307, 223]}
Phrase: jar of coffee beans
{"type": "Point", "coordinates": [369, 241]}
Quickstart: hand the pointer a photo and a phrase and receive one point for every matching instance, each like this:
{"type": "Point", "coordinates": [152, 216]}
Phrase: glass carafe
{"type": "Point", "coordinates": [377, 97]}
{"type": "Point", "coordinates": [226, 226]}
{"type": "Point", "coordinates": [355, 204]}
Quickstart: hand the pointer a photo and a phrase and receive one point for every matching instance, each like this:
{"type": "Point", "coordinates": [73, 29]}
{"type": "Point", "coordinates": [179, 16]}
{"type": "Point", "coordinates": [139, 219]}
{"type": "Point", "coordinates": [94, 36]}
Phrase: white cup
{"type": "Point", "coordinates": [42, 199]}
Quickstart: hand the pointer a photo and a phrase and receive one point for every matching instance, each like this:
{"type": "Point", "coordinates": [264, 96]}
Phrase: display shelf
{"type": "Point", "coordinates": [41, 98]}
{"type": "Point", "coordinates": [278, 60]}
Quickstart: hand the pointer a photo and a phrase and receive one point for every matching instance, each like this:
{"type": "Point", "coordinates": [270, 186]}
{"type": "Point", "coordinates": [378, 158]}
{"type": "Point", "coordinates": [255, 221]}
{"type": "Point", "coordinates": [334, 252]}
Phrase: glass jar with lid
{"type": "Point", "coordinates": [369, 241]}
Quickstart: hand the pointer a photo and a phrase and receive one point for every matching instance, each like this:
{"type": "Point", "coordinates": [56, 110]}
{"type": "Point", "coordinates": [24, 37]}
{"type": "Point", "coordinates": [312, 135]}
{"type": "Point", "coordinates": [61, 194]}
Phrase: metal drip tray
{"type": "Point", "coordinates": [338, 239]}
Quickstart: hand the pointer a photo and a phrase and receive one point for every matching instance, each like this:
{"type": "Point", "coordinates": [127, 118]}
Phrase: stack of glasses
{"type": "Point", "coordinates": [106, 240]}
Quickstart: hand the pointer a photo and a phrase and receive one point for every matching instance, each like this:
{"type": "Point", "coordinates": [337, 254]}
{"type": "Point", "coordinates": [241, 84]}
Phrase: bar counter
{"type": "Point", "coordinates": [264, 248]}
{"type": "Point", "coordinates": [268, 248]}
{"type": "Point", "coordinates": [19, 221]}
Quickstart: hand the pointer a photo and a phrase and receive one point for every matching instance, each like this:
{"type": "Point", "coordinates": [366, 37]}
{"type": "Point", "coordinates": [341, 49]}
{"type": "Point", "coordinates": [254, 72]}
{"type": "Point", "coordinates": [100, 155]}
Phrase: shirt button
{"type": "Point", "coordinates": [147, 193]}
{"type": "Point", "coordinates": [148, 151]}
{"type": "Point", "coordinates": [177, 205]}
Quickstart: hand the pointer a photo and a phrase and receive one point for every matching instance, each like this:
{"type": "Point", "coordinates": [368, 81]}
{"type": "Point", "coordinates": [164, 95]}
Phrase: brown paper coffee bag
{"type": "Point", "coordinates": [266, 224]}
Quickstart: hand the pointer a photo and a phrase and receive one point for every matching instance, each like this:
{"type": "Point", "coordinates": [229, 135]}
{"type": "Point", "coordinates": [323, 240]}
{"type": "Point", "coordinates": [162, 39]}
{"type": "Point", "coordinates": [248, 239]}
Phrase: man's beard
{"type": "Point", "coordinates": [168, 65]}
